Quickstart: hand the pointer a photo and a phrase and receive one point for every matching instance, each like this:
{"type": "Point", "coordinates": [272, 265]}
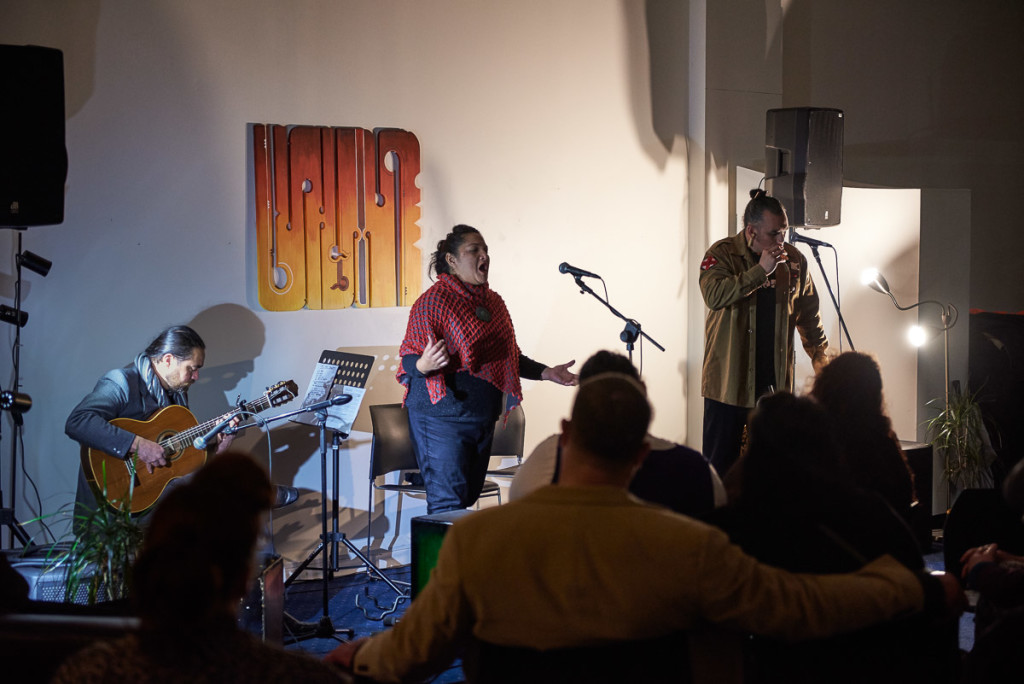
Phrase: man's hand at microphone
{"type": "Point", "coordinates": [771, 257]}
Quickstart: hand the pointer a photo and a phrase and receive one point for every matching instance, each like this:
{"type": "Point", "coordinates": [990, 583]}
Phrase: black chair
{"type": "Point", "coordinates": [391, 451]}
{"type": "Point", "coordinates": [509, 440]}
{"type": "Point", "coordinates": [36, 644]}
{"type": "Point", "coordinates": [652, 661]}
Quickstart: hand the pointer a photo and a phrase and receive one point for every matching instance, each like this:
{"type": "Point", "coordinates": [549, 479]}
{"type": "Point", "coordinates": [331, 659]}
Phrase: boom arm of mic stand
{"type": "Point", "coordinates": [835, 303]}
{"type": "Point", "coordinates": [319, 406]}
{"type": "Point", "coordinates": [629, 322]}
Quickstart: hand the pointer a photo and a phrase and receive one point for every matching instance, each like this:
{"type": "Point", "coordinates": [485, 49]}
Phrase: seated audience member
{"type": "Point", "coordinates": [584, 564]}
{"type": "Point", "coordinates": [796, 508]}
{"type": "Point", "coordinates": [998, 577]}
{"type": "Point", "coordinates": [672, 475]}
{"type": "Point", "coordinates": [850, 389]}
{"type": "Point", "coordinates": [195, 566]}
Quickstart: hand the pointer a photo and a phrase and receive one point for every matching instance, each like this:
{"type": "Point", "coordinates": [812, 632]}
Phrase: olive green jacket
{"type": "Point", "coordinates": [729, 276]}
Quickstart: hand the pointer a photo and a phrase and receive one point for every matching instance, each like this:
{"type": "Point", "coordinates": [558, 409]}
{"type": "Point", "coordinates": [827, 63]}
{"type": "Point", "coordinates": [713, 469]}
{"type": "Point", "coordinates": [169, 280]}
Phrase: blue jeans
{"type": "Point", "coordinates": [453, 454]}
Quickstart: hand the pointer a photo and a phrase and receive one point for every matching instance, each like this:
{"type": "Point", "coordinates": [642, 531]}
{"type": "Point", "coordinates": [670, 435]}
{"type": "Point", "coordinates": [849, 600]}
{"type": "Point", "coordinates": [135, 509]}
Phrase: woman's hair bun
{"type": "Point", "coordinates": [756, 193]}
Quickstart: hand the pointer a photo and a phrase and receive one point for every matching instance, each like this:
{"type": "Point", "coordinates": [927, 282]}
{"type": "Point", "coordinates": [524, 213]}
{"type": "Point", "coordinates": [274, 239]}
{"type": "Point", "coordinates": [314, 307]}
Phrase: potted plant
{"type": "Point", "coordinates": [960, 435]}
{"type": "Point", "coordinates": [101, 553]}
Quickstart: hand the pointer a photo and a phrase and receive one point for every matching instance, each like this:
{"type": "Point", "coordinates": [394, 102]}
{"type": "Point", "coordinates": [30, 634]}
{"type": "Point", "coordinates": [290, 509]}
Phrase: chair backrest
{"type": "Point", "coordinates": [41, 642]}
{"type": "Point", "coordinates": [663, 659]}
{"type": "Point", "coordinates": [510, 435]}
{"type": "Point", "coordinates": [391, 449]}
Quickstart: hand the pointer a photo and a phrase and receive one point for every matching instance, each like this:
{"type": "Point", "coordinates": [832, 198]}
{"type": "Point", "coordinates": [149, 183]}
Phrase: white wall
{"type": "Point", "coordinates": [534, 120]}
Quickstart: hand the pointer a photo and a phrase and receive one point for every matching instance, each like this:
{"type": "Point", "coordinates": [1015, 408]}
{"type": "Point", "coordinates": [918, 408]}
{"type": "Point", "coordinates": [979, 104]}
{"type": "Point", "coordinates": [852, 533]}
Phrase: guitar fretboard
{"type": "Point", "coordinates": [185, 438]}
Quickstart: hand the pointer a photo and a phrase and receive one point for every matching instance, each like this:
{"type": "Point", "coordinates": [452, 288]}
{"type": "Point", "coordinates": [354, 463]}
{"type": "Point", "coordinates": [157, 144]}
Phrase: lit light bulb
{"type": "Point", "coordinates": [875, 280]}
{"type": "Point", "coordinates": [917, 336]}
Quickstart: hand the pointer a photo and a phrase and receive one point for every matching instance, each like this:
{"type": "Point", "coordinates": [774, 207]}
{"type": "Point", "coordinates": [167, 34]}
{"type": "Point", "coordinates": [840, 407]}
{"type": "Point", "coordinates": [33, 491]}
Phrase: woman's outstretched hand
{"type": "Point", "coordinates": [561, 374]}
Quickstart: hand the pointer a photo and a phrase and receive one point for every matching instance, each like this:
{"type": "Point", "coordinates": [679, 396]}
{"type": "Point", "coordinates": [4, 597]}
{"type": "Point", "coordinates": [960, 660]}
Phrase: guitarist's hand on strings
{"type": "Point", "coordinates": [224, 439]}
{"type": "Point", "coordinates": [150, 453]}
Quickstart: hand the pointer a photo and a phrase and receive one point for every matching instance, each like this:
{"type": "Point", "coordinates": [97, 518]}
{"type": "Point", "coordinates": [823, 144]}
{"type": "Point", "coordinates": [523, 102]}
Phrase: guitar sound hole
{"type": "Point", "coordinates": [171, 454]}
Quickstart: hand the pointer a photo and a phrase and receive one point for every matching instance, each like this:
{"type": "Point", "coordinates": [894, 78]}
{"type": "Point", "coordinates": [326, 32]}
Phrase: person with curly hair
{"type": "Point", "coordinates": [850, 389]}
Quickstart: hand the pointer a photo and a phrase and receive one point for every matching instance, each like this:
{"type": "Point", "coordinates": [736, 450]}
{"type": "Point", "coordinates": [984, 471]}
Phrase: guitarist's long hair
{"type": "Point", "coordinates": [178, 340]}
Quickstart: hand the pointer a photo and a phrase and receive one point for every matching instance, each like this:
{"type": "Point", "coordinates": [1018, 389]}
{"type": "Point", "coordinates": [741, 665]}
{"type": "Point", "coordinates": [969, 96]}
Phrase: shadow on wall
{"type": "Point", "coordinates": [234, 338]}
{"type": "Point", "coordinates": [658, 38]}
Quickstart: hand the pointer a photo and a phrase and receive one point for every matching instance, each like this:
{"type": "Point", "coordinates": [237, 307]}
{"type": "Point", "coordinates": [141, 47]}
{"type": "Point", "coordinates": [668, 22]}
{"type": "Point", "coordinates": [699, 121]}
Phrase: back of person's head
{"type": "Point", "coordinates": [850, 386]}
{"type": "Point", "coordinates": [198, 549]}
{"type": "Point", "coordinates": [792, 456]}
{"type": "Point", "coordinates": [610, 416]}
{"type": "Point", "coordinates": [760, 202]}
{"type": "Point", "coordinates": [606, 361]}
{"type": "Point", "coordinates": [179, 341]}
{"type": "Point", "coordinates": [850, 389]}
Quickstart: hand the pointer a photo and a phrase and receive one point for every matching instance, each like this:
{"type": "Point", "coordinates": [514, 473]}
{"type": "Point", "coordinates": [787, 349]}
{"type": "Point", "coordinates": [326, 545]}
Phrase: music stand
{"type": "Point", "coordinates": [332, 401]}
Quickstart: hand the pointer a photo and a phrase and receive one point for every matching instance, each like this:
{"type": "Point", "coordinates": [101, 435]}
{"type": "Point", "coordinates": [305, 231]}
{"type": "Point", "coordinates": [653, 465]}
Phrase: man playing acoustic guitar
{"type": "Point", "coordinates": [157, 378]}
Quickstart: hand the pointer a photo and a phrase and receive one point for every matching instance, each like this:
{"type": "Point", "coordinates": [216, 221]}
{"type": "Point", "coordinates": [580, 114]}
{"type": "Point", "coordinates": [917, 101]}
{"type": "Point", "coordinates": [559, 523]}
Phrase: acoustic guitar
{"type": "Point", "coordinates": [127, 482]}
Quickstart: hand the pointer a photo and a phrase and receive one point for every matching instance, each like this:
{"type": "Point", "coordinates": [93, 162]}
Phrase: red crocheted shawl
{"type": "Point", "coordinates": [485, 349]}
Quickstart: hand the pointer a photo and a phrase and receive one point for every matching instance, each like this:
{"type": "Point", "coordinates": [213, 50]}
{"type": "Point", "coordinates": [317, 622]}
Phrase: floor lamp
{"type": "Point", "coordinates": [918, 335]}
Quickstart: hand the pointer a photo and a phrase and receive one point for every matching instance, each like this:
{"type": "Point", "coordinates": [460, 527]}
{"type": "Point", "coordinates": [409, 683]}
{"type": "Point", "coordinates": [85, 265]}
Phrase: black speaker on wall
{"type": "Point", "coordinates": [804, 163]}
{"type": "Point", "coordinates": [33, 156]}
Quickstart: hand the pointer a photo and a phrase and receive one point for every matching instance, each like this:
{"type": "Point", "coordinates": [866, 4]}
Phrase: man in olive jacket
{"type": "Point", "coordinates": [758, 290]}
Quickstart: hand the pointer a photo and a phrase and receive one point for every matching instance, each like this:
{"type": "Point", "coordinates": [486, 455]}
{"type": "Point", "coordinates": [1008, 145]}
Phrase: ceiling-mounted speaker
{"type": "Point", "coordinates": [804, 163]}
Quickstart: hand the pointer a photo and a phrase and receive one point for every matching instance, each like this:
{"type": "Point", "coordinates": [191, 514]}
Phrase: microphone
{"type": "Point", "coordinates": [201, 442]}
{"type": "Point", "coordinates": [340, 399]}
{"type": "Point", "coordinates": [795, 237]}
{"type": "Point", "coordinates": [576, 272]}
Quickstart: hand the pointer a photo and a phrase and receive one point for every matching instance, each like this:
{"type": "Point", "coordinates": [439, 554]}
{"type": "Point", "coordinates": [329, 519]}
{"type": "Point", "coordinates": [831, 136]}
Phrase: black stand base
{"type": "Point", "coordinates": [18, 532]}
{"type": "Point", "coordinates": [328, 545]}
{"type": "Point", "coordinates": [296, 630]}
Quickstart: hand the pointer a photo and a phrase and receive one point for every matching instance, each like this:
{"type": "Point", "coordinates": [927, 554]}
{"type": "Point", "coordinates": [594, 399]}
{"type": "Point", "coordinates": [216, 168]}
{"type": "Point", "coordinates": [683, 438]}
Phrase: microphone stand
{"type": "Point", "coordinates": [328, 540]}
{"type": "Point", "coordinates": [632, 330]}
{"type": "Point", "coordinates": [835, 303]}
{"type": "Point", "coordinates": [8, 517]}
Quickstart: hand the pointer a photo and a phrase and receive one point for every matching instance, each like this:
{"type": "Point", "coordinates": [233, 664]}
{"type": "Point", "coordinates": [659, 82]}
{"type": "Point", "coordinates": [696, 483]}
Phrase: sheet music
{"type": "Point", "coordinates": [337, 373]}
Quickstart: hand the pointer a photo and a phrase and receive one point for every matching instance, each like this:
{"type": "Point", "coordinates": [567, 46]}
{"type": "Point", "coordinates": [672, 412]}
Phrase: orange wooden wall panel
{"type": "Point", "coordinates": [335, 226]}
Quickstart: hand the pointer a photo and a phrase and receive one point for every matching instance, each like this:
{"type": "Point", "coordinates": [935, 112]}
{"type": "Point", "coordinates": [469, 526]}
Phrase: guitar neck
{"type": "Point", "coordinates": [187, 437]}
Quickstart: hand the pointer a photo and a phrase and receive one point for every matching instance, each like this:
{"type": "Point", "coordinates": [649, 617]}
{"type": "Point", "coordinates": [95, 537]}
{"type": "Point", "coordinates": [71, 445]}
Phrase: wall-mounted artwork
{"type": "Point", "coordinates": [336, 217]}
